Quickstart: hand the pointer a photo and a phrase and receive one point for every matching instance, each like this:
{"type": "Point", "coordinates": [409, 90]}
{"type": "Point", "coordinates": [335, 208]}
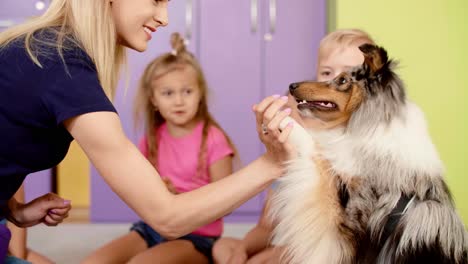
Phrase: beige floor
{"type": "Point", "coordinates": [70, 242]}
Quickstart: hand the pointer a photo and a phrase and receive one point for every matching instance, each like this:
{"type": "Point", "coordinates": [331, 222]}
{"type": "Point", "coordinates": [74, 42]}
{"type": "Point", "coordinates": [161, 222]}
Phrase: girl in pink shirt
{"type": "Point", "coordinates": [188, 148]}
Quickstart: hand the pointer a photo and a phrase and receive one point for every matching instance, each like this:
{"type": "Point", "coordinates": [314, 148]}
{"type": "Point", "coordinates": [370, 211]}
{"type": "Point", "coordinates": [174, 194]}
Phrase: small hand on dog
{"type": "Point", "coordinates": [269, 115]}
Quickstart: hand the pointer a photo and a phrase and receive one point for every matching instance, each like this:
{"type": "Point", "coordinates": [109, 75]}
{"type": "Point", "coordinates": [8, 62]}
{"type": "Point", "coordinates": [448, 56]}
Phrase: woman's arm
{"type": "Point", "coordinates": [135, 180]}
{"type": "Point", "coordinates": [221, 168]}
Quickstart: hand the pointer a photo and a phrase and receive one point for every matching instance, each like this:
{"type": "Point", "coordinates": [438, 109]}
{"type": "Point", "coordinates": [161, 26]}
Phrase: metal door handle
{"type": "Point", "coordinates": [254, 15]}
{"type": "Point", "coordinates": [272, 16]}
{"type": "Point", "coordinates": [188, 19]}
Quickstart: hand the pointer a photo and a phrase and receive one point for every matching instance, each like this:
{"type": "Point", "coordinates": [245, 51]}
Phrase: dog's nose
{"type": "Point", "coordinates": [293, 86]}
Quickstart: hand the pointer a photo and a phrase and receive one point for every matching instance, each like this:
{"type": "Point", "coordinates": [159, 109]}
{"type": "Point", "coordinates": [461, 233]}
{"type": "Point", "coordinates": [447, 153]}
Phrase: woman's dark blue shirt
{"type": "Point", "coordinates": [35, 101]}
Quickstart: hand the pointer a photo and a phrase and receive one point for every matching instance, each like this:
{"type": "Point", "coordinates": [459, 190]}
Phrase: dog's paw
{"type": "Point", "coordinates": [299, 137]}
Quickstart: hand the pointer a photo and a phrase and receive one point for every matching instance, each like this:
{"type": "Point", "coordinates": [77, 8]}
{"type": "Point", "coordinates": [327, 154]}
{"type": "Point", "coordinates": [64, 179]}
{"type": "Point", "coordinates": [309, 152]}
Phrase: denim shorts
{"type": "Point", "coordinates": [203, 244]}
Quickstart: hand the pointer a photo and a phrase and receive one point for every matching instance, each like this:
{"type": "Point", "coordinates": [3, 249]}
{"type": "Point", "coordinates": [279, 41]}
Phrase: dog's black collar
{"type": "Point", "coordinates": [395, 217]}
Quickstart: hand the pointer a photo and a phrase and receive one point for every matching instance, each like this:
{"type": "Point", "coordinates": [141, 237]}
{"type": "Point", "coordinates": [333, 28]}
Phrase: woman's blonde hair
{"type": "Point", "coordinates": [341, 38]}
{"type": "Point", "coordinates": [177, 59]}
{"type": "Point", "coordinates": [86, 24]}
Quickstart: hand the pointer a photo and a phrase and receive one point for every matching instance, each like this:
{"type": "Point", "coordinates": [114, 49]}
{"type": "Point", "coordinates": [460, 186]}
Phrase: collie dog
{"type": "Point", "coordinates": [370, 187]}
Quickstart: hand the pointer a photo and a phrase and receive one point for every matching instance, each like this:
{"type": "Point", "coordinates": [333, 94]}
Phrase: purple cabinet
{"type": "Point", "coordinates": [249, 50]}
{"type": "Point", "coordinates": [106, 205]}
{"type": "Point", "coordinates": [292, 42]}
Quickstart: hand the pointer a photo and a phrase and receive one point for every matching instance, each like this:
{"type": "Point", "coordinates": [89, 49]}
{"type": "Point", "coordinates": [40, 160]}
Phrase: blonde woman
{"type": "Point", "coordinates": [58, 73]}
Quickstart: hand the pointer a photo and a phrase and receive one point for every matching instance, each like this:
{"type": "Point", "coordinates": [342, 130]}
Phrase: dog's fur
{"type": "Point", "coordinates": [339, 201]}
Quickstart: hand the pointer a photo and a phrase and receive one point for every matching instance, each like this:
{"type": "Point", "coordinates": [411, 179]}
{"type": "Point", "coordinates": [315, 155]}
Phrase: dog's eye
{"type": "Point", "coordinates": [342, 80]}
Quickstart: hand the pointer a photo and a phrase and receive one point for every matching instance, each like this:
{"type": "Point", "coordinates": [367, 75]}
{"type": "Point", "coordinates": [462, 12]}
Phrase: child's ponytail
{"type": "Point", "coordinates": [178, 44]}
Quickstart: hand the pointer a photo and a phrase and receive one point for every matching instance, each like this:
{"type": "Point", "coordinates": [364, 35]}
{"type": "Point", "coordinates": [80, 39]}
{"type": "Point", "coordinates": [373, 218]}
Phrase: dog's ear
{"type": "Point", "coordinates": [375, 57]}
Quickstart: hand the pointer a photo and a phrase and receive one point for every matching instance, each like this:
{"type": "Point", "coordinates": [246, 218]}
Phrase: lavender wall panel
{"type": "Point", "coordinates": [291, 54]}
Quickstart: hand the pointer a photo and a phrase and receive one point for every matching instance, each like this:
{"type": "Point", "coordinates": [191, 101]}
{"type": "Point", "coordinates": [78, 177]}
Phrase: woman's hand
{"type": "Point", "coordinates": [49, 209]}
{"type": "Point", "coordinates": [269, 115]}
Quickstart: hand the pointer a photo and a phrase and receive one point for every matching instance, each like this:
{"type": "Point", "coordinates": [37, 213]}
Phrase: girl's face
{"type": "Point", "coordinates": [136, 20]}
{"type": "Point", "coordinates": [338, 61]}
{"type": "Point", "coordinates": [176, 96]}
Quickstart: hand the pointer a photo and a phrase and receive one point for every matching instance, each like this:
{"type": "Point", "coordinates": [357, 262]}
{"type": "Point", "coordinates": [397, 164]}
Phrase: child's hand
{"type": "Point", "coordinates": [169, 185]}
{"type": "Point", "coordinates": [49, 209]}
{"type": "Point", "coordinates": [269, 116]}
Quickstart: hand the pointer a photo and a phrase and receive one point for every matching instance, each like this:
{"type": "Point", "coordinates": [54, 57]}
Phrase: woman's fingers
{"type": "Point", "coordinates": [267, 109]}
{"type": "Point", "coordinates": [273, 109]}
{"type": "Point", "coordinates": [274, 125]}
{"type": "Point", "coordinates": [260, 108]}
{"type": "Point", "coordinates": [285, 132]}
{"type": "Point", "coordinates": [265, 103]}
{"type": "Point", "coordinates": [270, 115]}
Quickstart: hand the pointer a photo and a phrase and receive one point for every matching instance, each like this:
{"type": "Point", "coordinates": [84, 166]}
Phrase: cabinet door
{"type": "Point", "coordinates": [105, 204]}
{"type": "Point", "coordinates": [291, 42]}
{"type": "Point", "coordinates": [231, 59]}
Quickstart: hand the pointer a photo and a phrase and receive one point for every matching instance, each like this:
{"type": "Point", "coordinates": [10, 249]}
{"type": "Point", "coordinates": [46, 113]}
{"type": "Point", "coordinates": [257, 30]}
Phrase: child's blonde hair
{"type": "Point", "coordinates": [144, 109]}
{"type": "Point", "coordinates": [340, 39]}
{"type": "Point", "coordinates": [87, 24]}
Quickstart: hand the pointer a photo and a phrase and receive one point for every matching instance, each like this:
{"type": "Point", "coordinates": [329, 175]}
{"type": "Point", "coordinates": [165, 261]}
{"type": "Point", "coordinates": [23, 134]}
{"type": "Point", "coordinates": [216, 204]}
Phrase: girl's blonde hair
{"type": "Point", "coordinates": [178, 58]}
{"type": "Point", "coordinates": [86, 24]}
{"type": "Point", "coordinates": [341, 38]}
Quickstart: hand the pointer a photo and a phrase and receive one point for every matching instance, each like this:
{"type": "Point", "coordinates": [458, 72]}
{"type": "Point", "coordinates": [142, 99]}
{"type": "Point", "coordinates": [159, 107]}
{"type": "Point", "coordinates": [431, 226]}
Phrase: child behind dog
{"type": "Point", "coordinates": [188, 148]}
{"type": "Point", "coordinates": [338, 51]}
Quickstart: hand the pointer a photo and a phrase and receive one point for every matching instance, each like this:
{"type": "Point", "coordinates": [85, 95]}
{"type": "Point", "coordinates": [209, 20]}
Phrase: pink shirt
{"type": "Point", "coordinates": [178, 161]}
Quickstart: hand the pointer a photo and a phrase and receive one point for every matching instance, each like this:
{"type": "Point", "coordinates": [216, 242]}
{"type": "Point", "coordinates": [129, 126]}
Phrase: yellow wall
{"type": "Point", "coordinates": [430, 39]}
{"type": "Point", "coordinates": [73, 177]}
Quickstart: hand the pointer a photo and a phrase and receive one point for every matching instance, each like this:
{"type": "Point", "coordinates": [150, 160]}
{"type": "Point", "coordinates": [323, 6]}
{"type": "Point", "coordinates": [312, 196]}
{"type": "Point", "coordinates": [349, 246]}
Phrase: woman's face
{"type": "Point", "coordinates": [136, 20]}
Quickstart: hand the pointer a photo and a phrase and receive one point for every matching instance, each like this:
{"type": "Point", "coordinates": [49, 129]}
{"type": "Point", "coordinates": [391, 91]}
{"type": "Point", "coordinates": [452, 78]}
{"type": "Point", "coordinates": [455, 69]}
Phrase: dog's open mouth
{"type": "Point", "coordinates": [322, 105]}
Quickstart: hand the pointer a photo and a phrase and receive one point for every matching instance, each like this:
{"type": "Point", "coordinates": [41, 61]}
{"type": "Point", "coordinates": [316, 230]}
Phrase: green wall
{"type": "Point", "coordinates": [430, 39]}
